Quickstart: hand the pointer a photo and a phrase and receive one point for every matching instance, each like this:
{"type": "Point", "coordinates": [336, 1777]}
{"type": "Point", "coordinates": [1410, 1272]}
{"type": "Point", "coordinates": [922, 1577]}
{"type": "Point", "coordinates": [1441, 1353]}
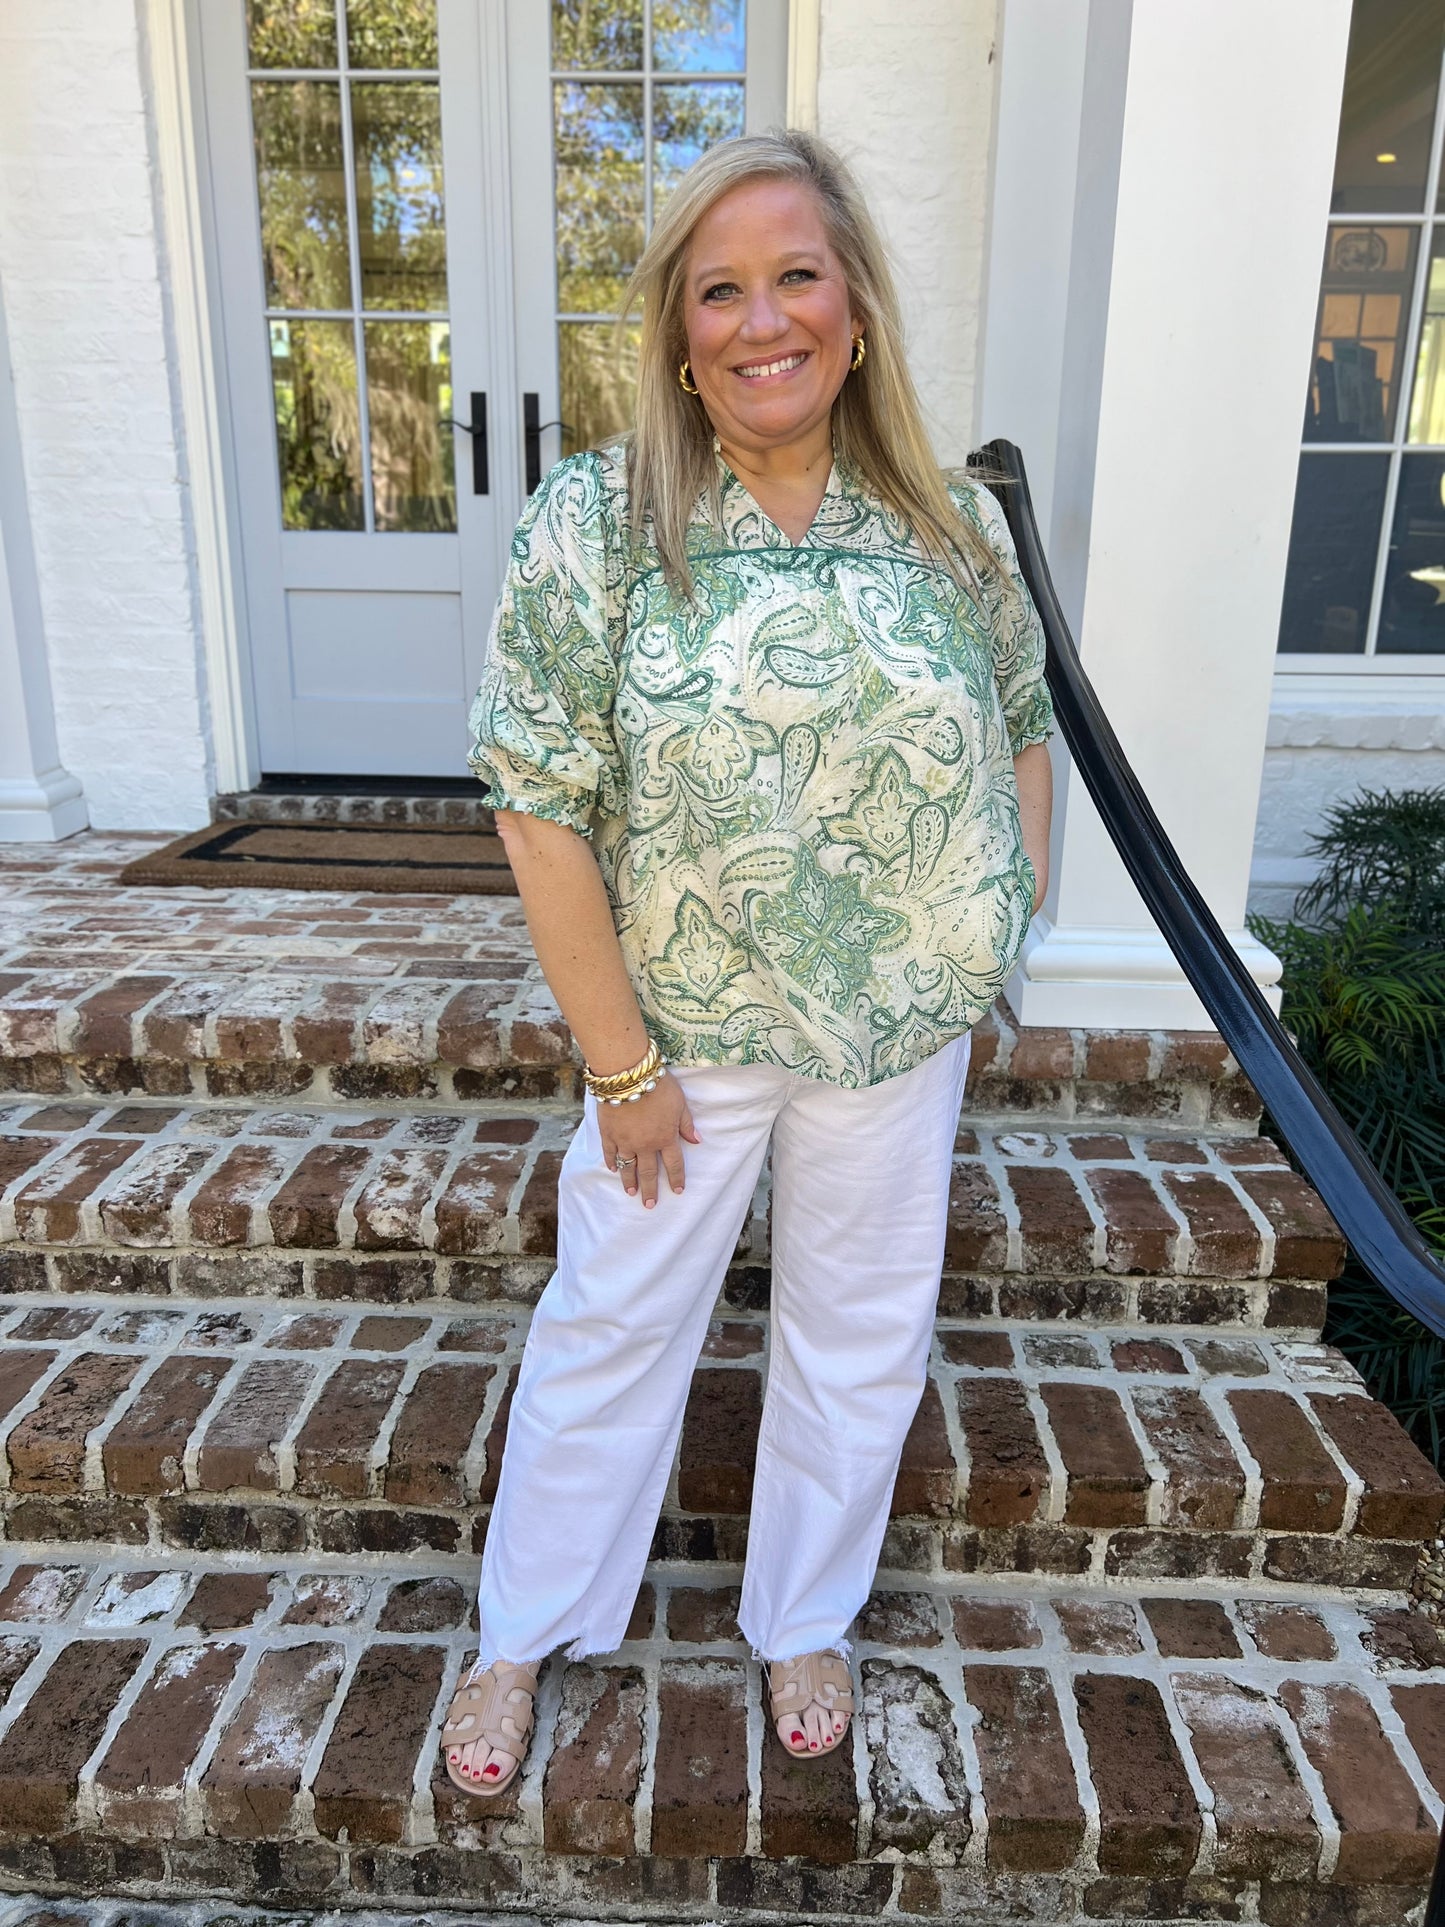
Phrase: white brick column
{"type": "Point", "coordinates": [92, 347]}
{"type": "Point", "coordinates": [906, 94]}
{"type": "Point", "coordinates": [39, 800]}
{"type": "Point", "coordinates": [1177, 155]}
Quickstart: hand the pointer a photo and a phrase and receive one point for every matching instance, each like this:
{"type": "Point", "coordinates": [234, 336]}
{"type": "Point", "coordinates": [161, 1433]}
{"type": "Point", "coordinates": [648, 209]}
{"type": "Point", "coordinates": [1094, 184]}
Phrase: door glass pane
{"type": "Point", "coordinates": [1332, 549]}
{"type": "Point", "coordinates": [687, 117]}
{"type": "Point", "coordinates": [1412, 614]}
{"type": "Point", "coordinates": [1364, 309]}
{"type": "Point", "coordinates": [409, 384]}
{"type": "Point", "coordinates": [396, 131]}
{"type": "Point", "coordinates": [597, 35]}
{"type": "Point", "coordinates": [598, 369]}
{"type": "Point", "coordinates": [599, 158]}
{"type": "Point", "coordinates": [291, 33]}
{"type": "Point", "coordinates": [1388, 112]}
{"type": "Point", "coordinates": [391, 33]}
{"type": "Point", "coordinates": [318, 432]}
{"type": "Point", "coordinates": [698, 36]}
{"type": "Point", "coordinates": [1427, 399]}
{"type": "Point", "coordinates": [301, 180]}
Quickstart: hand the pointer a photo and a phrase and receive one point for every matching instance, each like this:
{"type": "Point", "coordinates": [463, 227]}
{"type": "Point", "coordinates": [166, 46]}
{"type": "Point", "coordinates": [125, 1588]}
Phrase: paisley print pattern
{"type": "Point", "coordinates": [799, 785]}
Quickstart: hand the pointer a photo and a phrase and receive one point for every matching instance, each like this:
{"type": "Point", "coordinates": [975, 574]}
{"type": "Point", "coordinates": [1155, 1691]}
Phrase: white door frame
{"type": "Point", "coordinates": [200, 364]}
{"type": "Point", "coordinates": [170, 36]}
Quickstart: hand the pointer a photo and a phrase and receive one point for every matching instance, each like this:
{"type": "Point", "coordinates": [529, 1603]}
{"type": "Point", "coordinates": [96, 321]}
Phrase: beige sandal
{"type": "Point", "coordinates": [817, 1679]}
{"type": "Point", "coordinates": [495, 1707]}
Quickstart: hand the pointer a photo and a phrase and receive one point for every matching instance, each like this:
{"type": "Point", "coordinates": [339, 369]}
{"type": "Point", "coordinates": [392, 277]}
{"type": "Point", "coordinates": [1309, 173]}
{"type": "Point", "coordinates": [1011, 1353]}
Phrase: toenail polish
{"type": "Point", "coordinates": [798, 1736]}
{"type": "Point", "coordinates": [491, 1769]}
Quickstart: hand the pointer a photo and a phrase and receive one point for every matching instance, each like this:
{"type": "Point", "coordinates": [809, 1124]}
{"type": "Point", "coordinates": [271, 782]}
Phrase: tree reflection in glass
{"type": "Point", "coordinates": [597, 365]}
{"type": "Point", "coordinates": [687, 119]}
{"type": "Point", "coordinates": [397, 140]}
{"type": "Point", "coordinates": [699, 36]}
{"type": "Point", "coordinates": [301, 180]}
{"type": "Point", "coordinates": [391, 33]}
{"type": "Point", "coordinates": [318, 424]}
{"type": "Point", "coordinates": [409, 388]}
{"type": "Point", "coordinates": [599, 162]}
{"type": "Point", "coordinates": [597, 36]}
{"type": "Point", "coordinates": [291, 33]}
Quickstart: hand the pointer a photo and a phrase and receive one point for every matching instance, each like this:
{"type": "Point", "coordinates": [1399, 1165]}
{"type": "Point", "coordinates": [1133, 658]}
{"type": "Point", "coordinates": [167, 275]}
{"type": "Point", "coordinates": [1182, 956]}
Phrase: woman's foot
{"type": "Point", "coordinates": [488, 1725]}
{"type": "Point", "coordinates": [811, 1701]}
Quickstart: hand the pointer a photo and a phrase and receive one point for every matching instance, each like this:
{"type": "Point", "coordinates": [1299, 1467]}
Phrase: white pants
{"type": "Point", "coordinates": [860, 1196]}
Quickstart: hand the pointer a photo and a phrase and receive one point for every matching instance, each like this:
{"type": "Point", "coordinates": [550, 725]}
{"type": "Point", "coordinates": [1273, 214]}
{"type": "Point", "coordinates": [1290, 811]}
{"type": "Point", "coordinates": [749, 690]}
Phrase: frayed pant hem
{"type": "Point", "coordinates": [842, 1647]}
{"type": "Point", "coordinates": [584, 1648]}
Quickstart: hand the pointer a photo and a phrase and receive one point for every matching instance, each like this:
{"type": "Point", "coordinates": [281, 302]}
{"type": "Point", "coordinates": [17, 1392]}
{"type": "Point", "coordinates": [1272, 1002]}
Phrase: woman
{"type": "Point", "coordinates": [763, 719]}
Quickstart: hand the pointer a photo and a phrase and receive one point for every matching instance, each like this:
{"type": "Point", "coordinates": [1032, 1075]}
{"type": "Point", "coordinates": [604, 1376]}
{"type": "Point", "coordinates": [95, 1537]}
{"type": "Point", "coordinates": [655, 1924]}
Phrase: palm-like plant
{"type": "Point", "coordinates": [1364, 995]}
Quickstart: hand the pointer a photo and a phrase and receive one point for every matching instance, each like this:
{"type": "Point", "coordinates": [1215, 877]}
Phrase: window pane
{"type": "Point", "coordinates": [1388, 112]}
{"type": "Point", "coordinates": [686, 118]}
{"type": "Point", "coordinates": [318, 439]}
{"type": "Point", "coordinates": [698, 36]}
{"type": "Point", "coordinates": [301, 181]}
{"type": "Point", "coordinates": [597, 35]}
{"type": "Point", "coordinates": [598, 367]}
{"type": "Point", "coordinates": [291, 33]}
{"type": "Point", "coordinates": [391, 33]}
{"type": "Point", "coordinates": [413, 451]}
{"type": "Point", "coordinates": [1427, 399]}
{"type": "Point", "coordinates": [1364, 307]}
{"type": "Point", "coordinates": [397, 134]}
{"type": "Point", "coordinates": [1332, 549]}
{"type": "Point", "coordinates": [1412, 614]}
{"type": "Point", "coordinates": [599, 193]}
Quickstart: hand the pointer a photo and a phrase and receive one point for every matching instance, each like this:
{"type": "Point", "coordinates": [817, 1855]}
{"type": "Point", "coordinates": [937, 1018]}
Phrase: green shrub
{"type": "Point", "coordinates": [1364, 997]}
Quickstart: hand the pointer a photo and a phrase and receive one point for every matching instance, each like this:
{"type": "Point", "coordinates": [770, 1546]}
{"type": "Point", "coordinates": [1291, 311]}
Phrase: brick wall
{"type": "Point", "coordinates": [82, 274]}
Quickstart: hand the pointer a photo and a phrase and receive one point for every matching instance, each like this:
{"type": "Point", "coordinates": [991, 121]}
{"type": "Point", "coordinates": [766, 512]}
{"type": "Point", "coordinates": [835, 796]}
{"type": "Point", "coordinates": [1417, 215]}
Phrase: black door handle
{"type": "Point", "coordinates": [532, 433]}
{"type": "Point", "coordinates": [477, 429]}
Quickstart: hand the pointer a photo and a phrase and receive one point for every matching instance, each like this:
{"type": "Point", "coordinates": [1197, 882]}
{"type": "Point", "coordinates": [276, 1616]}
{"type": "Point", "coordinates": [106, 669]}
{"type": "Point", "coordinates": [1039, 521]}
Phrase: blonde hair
{"type": "Point", "coordinates": [878, 430]}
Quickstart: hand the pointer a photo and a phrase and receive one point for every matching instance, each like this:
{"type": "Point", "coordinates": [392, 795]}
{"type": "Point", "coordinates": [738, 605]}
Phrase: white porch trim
{"type": "Point", "coordinates": [805, 29]}
{"type": "Point", "coordinates": [222, 619]}
{"type": "Point", "coordinates": [1120, 978]}
{"type": "Point", "coordinates": [1194, 189]}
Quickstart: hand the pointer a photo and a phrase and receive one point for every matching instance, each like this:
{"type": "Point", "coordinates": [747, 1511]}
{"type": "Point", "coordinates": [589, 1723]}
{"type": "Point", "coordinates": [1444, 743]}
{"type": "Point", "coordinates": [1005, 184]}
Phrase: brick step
{"type": "Point", "coordinates": [355, 998]}
{"type": "Point", "coordinates": [1103, 1454]}
{"type": "Point", "coordinates": [1042, 1752]}
{"type": "Point", "coordinates": [1091, 1225]}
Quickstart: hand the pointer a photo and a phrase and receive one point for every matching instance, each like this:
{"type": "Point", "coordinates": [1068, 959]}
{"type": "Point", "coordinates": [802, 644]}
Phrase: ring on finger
{"type": "Point", "coordinates": [624, 1164]}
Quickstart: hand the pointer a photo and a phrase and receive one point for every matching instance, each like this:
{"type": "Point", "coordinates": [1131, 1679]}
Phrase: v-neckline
{"type": "Point", "coordinates": [829, 488]}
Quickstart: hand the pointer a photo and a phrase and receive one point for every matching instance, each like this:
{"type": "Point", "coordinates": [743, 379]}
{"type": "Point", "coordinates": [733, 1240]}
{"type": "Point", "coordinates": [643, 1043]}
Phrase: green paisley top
{"type": "Point", "coordinates": [799, 785]}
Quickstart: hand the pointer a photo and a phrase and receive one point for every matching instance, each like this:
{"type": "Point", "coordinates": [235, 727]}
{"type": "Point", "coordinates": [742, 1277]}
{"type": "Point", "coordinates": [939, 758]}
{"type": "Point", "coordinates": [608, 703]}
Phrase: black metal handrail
{"type": "Point", "coordinates": [1327, 1150]}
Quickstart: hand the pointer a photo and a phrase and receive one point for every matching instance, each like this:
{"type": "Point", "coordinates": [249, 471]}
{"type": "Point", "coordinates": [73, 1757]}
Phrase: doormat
{"type": "Point", "coordinates": [451, 860]}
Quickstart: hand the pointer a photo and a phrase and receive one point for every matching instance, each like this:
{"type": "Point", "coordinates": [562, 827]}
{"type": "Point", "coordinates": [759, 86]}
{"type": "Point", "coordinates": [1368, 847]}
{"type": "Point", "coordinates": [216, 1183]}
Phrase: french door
{"type": "Point", "coordinates": [424, 214]}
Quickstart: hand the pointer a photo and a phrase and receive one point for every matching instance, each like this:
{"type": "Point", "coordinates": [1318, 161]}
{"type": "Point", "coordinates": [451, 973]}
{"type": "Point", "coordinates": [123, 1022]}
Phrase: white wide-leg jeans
{"type": "Point", "coordinates": [859, 1204]}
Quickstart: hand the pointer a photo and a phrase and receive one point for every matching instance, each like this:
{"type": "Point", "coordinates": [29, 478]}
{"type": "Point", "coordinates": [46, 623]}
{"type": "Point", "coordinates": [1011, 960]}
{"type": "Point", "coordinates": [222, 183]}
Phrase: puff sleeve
{"type": "Point", "coordinates": [541, 723]}
{"type": "Point", "coordinates": [1015, 632]}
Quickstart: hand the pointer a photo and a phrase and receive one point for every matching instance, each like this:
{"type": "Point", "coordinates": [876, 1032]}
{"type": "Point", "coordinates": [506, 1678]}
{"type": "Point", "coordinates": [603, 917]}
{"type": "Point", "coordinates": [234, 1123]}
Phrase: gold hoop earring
{"type": "Point", "coordinates": [860, 348]}
{"type": "Point", "coordinates": [684, 375]}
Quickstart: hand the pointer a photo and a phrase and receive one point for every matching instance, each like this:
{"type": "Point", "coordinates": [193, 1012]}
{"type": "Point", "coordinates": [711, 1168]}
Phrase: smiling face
{"type": "Point", "coordinates": [769, 322]}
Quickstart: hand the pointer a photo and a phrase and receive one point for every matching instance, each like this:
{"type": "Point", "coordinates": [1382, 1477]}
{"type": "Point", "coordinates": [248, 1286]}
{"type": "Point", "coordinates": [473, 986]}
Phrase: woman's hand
{"type": "Point", "coordinates": [636, 1138]}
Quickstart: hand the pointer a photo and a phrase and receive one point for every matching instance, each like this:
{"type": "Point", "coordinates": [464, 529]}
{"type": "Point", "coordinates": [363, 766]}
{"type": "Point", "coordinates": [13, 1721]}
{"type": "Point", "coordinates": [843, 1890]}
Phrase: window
{"type": "Point", "coordinates": [639, 89]}
{"type": "Point", "coordinates": [346, 122]}
{"type": "Point", "coordinates": [1366, 575]}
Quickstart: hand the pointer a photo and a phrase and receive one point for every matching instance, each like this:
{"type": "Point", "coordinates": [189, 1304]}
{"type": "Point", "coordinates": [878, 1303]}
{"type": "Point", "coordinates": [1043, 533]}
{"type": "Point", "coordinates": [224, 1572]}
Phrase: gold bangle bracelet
{"type": "Point", "coordinates": [623, 1087]}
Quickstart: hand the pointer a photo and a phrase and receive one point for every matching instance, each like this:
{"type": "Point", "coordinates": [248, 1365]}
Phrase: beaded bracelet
{"type": "Point", "coordinates": [625, 1087]}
